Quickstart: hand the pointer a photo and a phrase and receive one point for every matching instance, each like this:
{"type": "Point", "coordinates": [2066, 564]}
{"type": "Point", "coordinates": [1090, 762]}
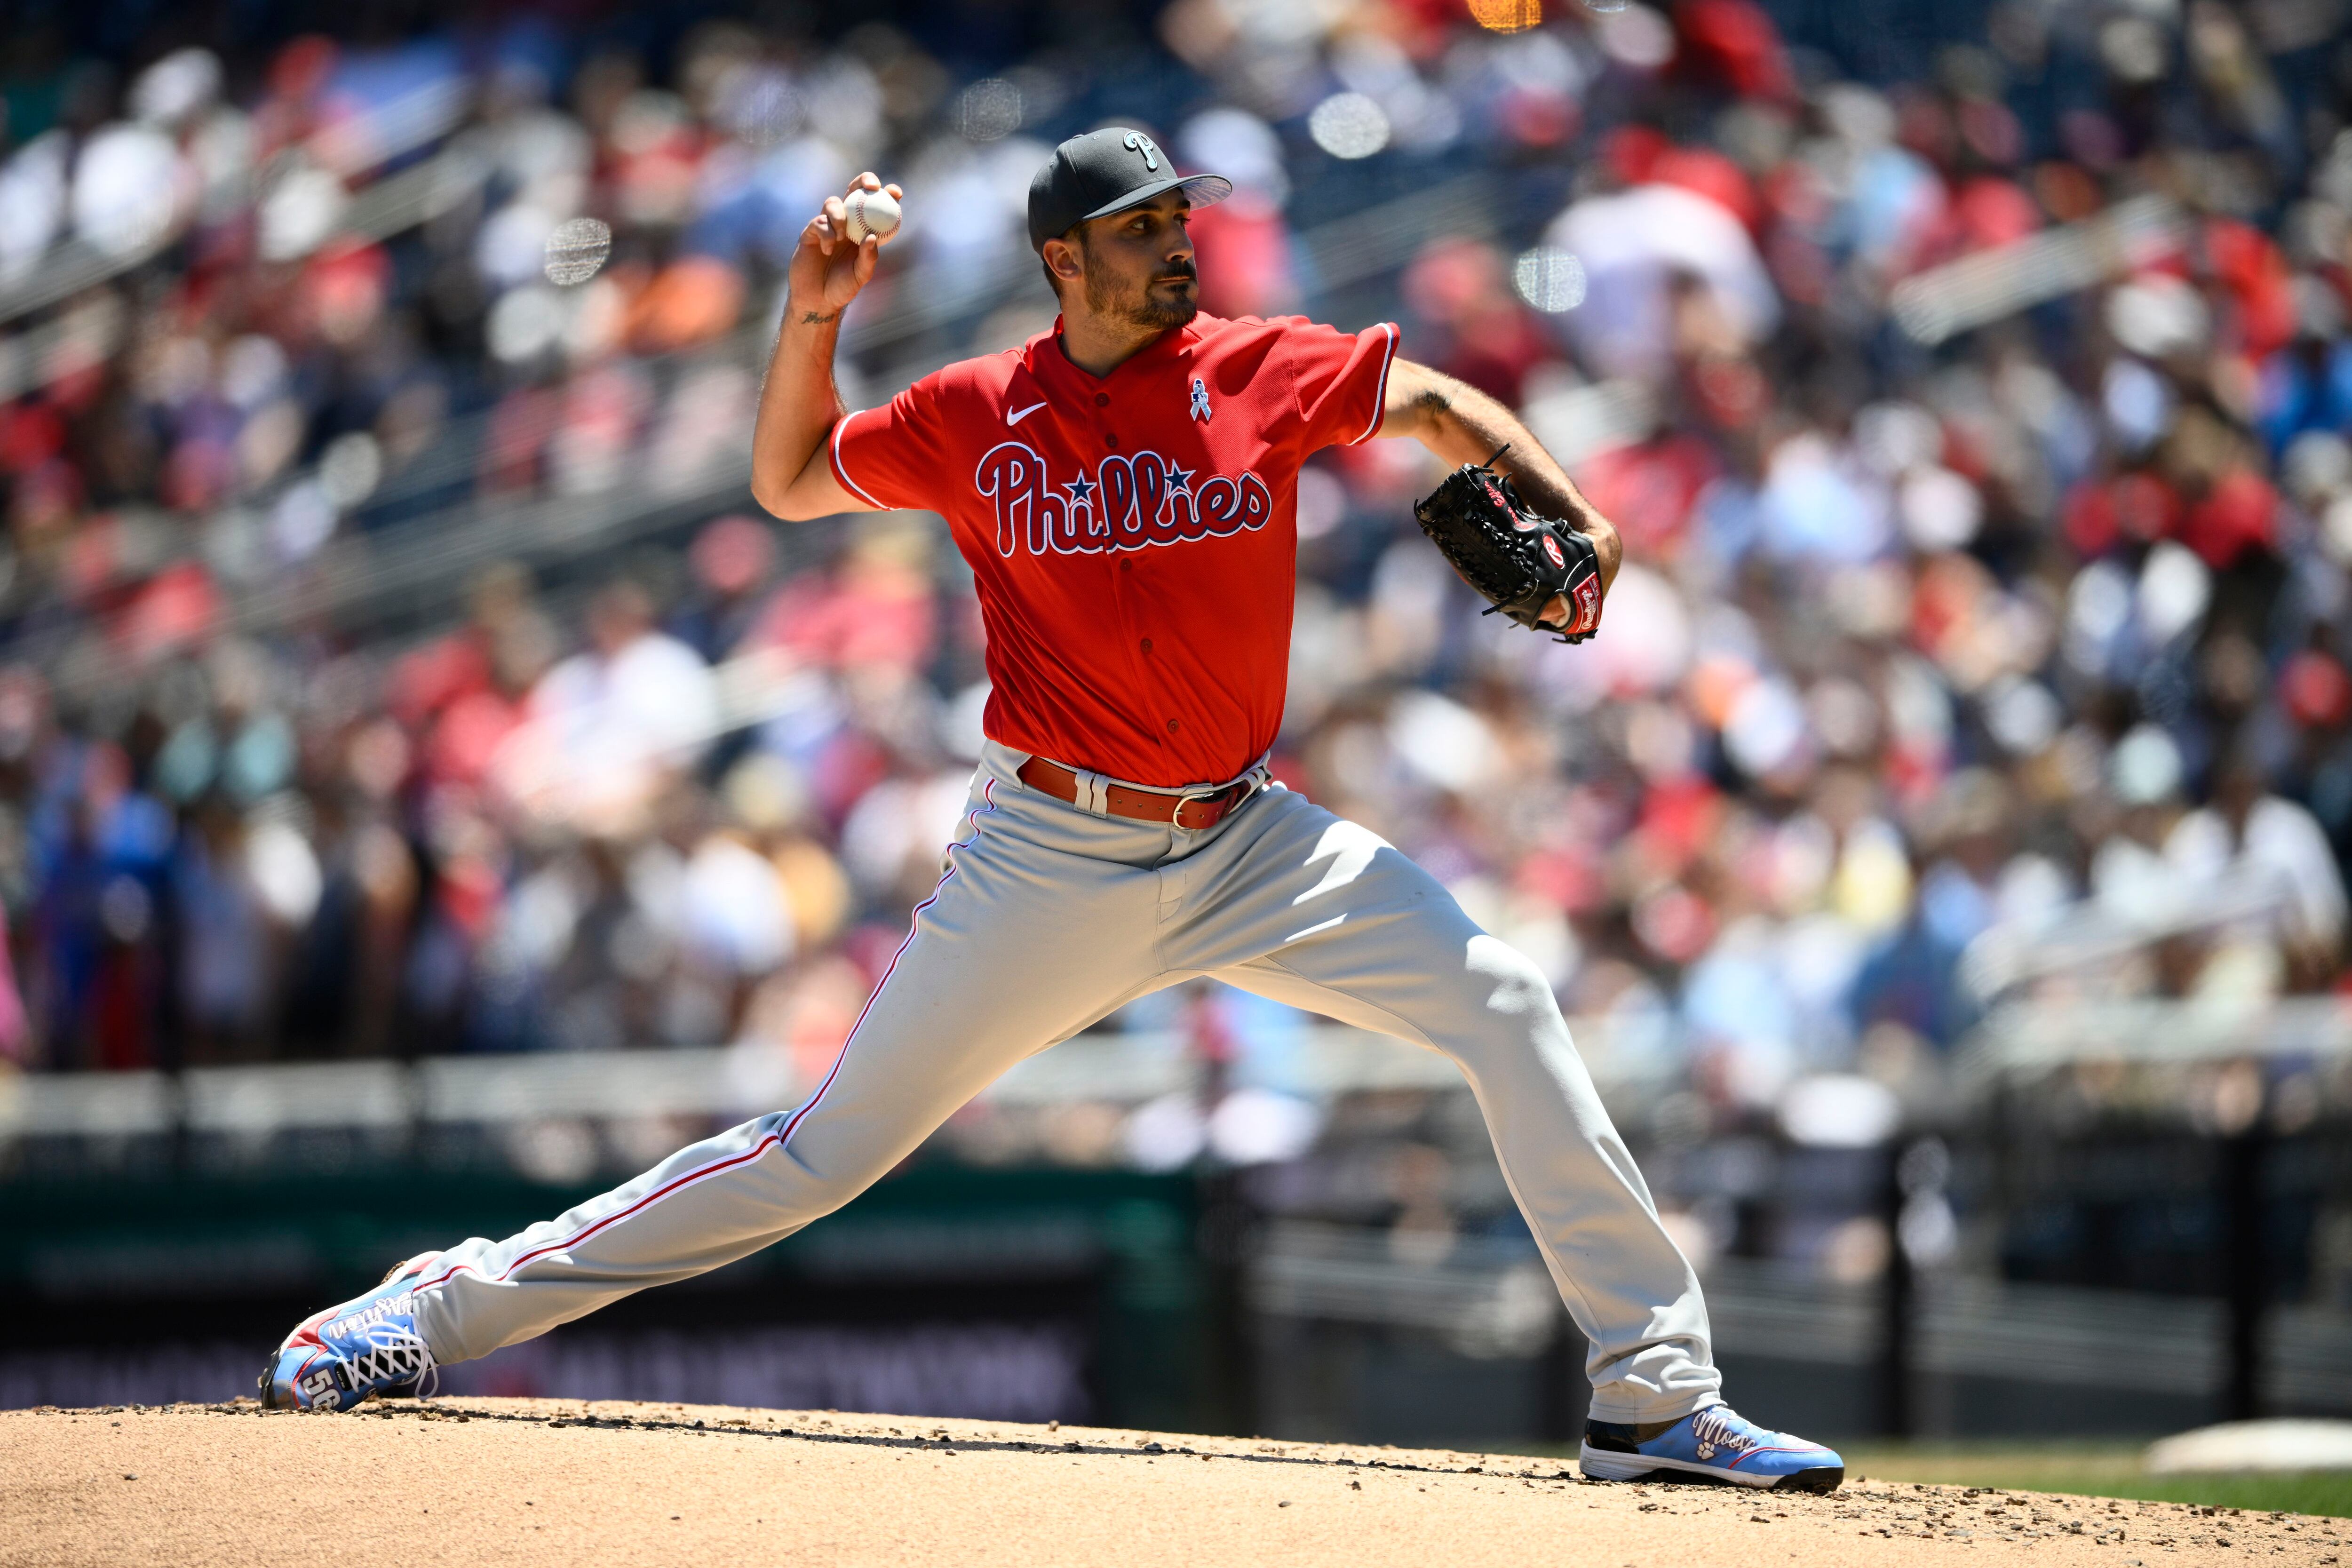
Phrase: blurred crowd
{"type": "Point", "coordinates": [1939, 672]}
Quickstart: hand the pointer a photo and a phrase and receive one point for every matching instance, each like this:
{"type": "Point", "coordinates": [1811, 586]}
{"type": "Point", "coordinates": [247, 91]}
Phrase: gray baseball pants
{"type": "Point", "coordinates": [1049, 917]}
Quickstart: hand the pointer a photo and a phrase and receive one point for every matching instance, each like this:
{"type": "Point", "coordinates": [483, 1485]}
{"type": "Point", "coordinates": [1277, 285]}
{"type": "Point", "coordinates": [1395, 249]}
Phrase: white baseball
{"type": "Point", "coordinates": [870, 212]}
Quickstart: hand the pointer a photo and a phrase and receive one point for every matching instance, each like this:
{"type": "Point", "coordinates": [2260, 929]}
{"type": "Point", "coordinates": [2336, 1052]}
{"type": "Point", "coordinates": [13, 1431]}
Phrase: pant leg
{"type": "Point", "coordinates": [1027, 939]}
{"type": "Point", "coordinates": [1308, 908]}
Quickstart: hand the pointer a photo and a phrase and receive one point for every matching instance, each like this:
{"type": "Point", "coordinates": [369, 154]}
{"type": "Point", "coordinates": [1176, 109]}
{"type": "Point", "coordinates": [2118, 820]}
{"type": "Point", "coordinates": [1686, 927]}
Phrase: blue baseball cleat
{"type": "Point", "coordinates": [1717, 1444]}
{"type": "Point", "coordinates": [366, 1346]}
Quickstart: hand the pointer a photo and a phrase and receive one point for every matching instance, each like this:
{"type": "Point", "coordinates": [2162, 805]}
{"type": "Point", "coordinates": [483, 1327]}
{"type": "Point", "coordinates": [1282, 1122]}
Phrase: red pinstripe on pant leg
{"type": "Point", "coordinates": [776, 1140]}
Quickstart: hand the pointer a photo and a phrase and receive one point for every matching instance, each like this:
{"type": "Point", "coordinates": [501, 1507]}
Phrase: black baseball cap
{"type": "Point", "coordinates": [1104, 172]}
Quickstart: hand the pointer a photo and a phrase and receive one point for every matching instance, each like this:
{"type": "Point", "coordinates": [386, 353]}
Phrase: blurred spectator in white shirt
{"type": "Point", "coordinates": [2248, 835]}
{"type": "Point", "coordinates": [610, 726]}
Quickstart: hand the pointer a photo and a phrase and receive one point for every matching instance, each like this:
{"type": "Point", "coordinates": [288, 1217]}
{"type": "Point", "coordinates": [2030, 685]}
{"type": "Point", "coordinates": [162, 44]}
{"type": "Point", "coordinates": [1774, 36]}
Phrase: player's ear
{"type": "Point", "coordinates": [1062, 262]}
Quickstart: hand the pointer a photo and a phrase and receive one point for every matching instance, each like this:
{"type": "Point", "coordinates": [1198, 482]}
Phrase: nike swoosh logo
{"type": "Point", "coordinates": [1012, 418]}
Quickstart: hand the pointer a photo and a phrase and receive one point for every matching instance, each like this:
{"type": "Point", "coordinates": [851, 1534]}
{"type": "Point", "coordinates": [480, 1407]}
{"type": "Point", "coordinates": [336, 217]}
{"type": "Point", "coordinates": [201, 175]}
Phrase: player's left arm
{"type": "Point", "coordinates": [1461, 425]}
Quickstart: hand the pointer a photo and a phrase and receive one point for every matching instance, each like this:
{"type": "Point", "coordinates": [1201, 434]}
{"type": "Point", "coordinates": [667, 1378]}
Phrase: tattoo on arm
{"type": "Point", "coordinates": [817, 318]}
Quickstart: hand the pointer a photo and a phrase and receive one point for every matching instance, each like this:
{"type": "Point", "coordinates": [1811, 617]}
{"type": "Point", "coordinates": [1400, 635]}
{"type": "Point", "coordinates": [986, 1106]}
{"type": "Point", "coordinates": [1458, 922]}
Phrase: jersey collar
{"type": "Point", "coordinates": [1050, 363]}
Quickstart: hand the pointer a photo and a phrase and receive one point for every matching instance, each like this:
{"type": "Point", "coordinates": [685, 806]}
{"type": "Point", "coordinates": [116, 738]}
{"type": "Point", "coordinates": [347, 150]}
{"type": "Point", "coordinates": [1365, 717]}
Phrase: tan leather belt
{"type": "Point", "coordinates": [1194, 813]}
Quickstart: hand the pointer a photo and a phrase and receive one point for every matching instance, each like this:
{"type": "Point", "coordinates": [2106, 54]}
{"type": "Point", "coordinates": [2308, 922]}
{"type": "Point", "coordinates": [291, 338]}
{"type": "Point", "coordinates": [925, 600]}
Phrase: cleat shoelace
{"type": "Point", "coordinates": [387, 1356]}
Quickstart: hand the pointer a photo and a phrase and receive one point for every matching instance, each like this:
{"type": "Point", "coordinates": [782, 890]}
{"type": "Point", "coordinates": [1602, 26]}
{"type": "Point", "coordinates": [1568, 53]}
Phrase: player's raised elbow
{"type": "Point", "coordinates": [787, 496]}
{"type": "Point", "coordinates": [775, 499]}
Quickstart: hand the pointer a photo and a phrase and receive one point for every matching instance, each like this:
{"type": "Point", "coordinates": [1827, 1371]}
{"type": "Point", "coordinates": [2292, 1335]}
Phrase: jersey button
{"type": "Point", "coordinates": [1111, 440]}
{"type": "Point", "coordinates": [1126, 566]}
{"type": "Point", "coordinates": [1102, 400]}
{"type": "Point", "coordinates": [1147, 645]}
{"type": "Point", "coordinates": [1173, 725]}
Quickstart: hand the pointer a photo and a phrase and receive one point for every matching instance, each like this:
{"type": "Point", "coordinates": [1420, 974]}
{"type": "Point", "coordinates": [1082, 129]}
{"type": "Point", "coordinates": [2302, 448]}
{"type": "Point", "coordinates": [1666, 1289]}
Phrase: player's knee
{"type": "Point", "coordinates": [818, 1180]}
{"type": "Point", "coordinates": [835, 1182]}
{"type": "Point", "coordinates": [830, 1196]}
{"type": "Point", "coordinates": [831, 1184]}
{"type": "Point", "coordinates": [1507, 982]}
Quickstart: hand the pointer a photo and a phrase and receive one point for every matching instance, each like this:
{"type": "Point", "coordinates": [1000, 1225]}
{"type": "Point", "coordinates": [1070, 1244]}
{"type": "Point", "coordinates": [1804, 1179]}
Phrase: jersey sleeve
{"type": "Point", "coordinates": [892, 458]}
{"type": "Point", "coordinates": [1342, 379]}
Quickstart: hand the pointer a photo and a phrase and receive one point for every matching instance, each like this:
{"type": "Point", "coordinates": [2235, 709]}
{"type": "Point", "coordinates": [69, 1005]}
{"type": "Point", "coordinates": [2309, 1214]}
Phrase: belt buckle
{"type": "Point", "coordinates": [1219, 801]}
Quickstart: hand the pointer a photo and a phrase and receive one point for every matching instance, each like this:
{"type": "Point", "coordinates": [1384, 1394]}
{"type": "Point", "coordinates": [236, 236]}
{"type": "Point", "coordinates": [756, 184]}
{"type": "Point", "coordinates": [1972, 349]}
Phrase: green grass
{"type": "Point", "coordinates": [2096, 1470]}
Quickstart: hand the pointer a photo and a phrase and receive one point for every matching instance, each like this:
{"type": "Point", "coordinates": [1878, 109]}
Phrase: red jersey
{"type": "Point", "coordinates": [1134, 535]}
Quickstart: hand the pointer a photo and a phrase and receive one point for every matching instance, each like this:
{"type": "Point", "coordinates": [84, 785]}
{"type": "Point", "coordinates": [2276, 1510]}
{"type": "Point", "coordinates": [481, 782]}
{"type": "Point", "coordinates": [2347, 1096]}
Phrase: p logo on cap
{"type": "Point", "coordinates": [1105, 172]}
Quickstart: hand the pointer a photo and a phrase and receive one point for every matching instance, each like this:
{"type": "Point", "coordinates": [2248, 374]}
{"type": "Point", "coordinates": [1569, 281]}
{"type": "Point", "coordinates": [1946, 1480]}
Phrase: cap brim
{"type": "Point", "coordinates": [1205, 190]}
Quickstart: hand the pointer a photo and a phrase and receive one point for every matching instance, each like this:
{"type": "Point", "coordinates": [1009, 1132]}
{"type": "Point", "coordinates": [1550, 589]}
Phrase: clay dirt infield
{"type": "Point", "coordinates": [465, 1481]}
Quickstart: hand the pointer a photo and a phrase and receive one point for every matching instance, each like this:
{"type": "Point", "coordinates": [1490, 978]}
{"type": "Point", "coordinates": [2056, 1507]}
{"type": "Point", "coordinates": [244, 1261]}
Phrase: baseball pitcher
{"type": "Point", "coordinates": [1125, 487]}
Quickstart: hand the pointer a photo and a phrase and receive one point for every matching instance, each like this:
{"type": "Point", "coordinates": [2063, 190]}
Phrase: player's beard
{"type": "Point", "coordinates": [1168, 312]}
{"type": "Point", "coordinates": [1142, 306]}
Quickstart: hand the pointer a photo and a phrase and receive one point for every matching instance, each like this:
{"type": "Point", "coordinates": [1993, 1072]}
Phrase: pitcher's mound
{"type": "Point", "coordinates": [449, 1484]}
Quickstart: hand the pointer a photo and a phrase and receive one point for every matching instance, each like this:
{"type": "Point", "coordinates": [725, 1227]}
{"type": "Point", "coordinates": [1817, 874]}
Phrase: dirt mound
{"type": "Point", "coordinates": [542, 1481]}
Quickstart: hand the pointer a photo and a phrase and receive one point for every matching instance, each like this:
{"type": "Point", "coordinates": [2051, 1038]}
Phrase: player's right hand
{"type": "Point", "coordinates": [827, 271]}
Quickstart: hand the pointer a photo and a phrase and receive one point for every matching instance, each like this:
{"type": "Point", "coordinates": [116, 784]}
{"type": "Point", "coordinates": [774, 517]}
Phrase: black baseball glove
{"type": "Point", "coordinates": [1513, 559]}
